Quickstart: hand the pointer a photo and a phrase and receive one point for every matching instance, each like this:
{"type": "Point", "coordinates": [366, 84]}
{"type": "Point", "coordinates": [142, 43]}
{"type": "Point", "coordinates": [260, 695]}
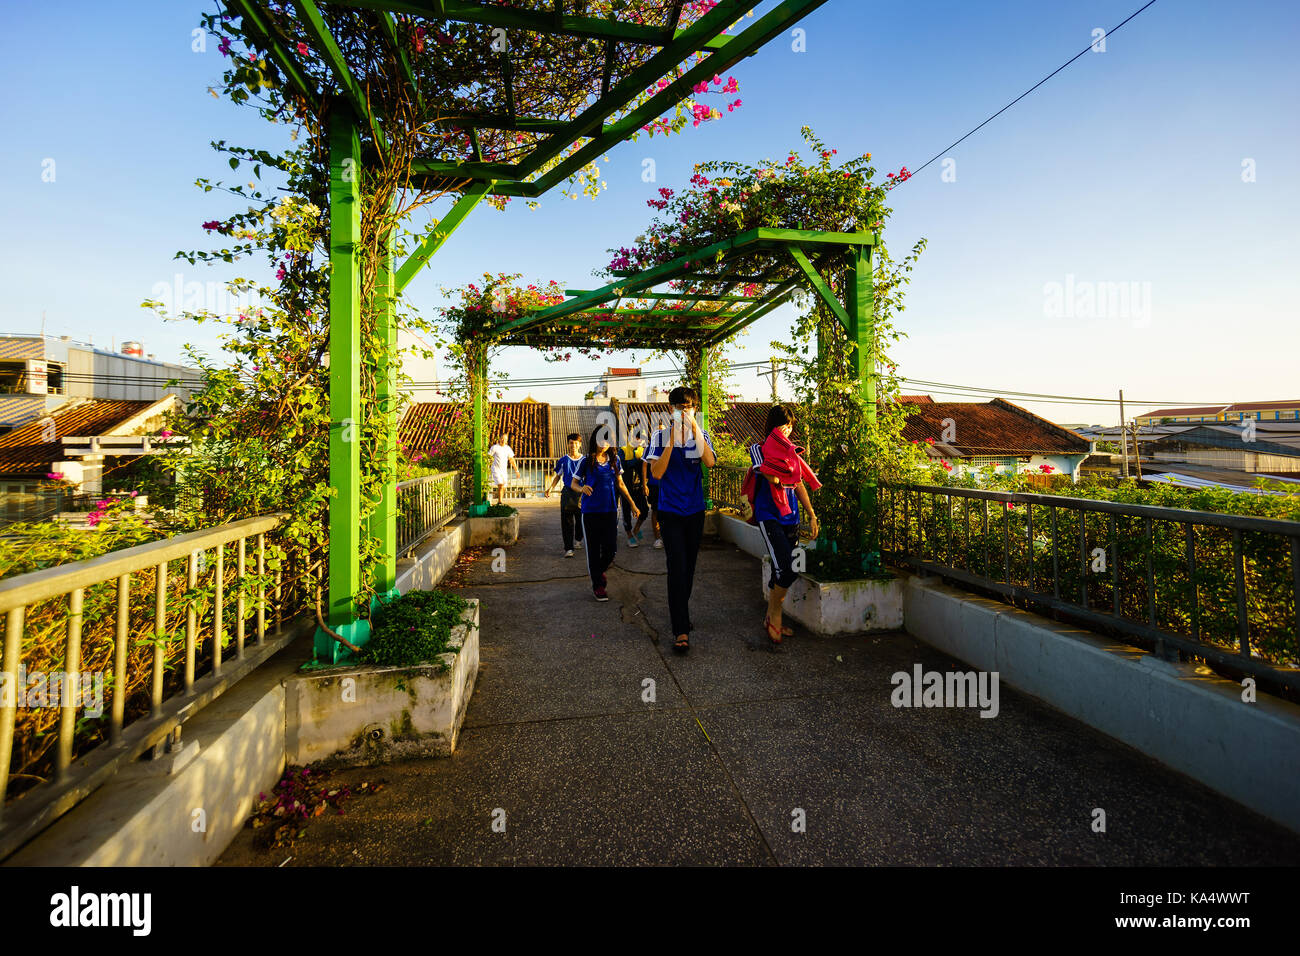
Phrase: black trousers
{"type": "Point", "coordinates": [681, 536]}
{"type": "Point", "coordinates": [638, 496]}
{"type": "Point", "coordinates": [601, 543]}
{"type": "Point", "coordinates": [570, 526]}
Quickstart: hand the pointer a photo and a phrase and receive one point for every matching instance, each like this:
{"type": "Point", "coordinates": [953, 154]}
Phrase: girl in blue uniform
{"type": "Point", "coordinates": [599, 479]}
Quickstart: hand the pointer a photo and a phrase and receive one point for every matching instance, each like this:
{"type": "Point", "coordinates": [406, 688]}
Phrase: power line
{"type": "Point", "coordinates": [1028, 91]}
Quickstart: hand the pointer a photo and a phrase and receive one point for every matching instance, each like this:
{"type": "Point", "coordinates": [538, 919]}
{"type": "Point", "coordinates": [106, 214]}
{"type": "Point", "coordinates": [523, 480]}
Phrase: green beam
{"type": "Point", "coordinates": [345, 389]}
{"type": "Point", "coordinates": [314, 24]}
{"type": "Point", "coordinates": [383, 519]}
{"type": "Point", "coordinates": [736, 49]}
{"type": "Point", "coordinates": [626, 90]}
{"type": "Point", "coordinates": [680, 297]}
{"type": "Point", "coordinates": [478, 495]}
{"type": "Point", "coordinates": [389, 29]}
{"type": "Point", "coordinates": [533, 21]}
{"type": "Point", "coordinates": [819, 284]}
{"type": "Point", "coordinates": [860, 297]}
{"type": "Point", "coordinates": [250, 15]}
{"type": "Point", "coordinates": [434, 239]}
{"type": "Point", "coordinates": [678, 312]}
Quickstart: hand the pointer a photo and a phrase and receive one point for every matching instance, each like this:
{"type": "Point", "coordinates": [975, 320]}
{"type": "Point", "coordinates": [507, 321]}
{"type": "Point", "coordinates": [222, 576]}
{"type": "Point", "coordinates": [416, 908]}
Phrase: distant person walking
{"type": "Point", "coordinates": [777, 485]}
{"type": "Point", "coordinates": [678, 456]}
{"type": "Point", "coordinates": [634, 477]}
{"type": "Point", "coordinates": [570, 501]}
{"type": "Point", "coordinates": [599, 479]}
{"type": "Point", "coordinates": [503, 457]}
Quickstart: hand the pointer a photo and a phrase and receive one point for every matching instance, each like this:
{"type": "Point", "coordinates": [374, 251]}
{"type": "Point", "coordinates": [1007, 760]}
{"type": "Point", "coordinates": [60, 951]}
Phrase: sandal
{"type": "Point", "coordinates": [776, 641]}
{"type": "Point", "coordinates": [683, 644]}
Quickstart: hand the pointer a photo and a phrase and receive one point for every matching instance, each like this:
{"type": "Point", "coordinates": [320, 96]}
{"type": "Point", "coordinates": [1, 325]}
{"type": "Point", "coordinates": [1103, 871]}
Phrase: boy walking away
{"type": "Point", "coordinates": [676, 455]}
{"type": "Point", "coordinates": [634, 478]}
{"type": "Point", "coordinates": [503, 457]}
{"type": "Point", "coordinates": [570, 501]}
{"type": "Point", "coordinates": [598, 479]}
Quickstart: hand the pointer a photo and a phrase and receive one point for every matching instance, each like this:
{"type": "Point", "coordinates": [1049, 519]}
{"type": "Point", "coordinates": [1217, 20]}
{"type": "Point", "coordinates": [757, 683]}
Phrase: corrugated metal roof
{"type": "Point", "coordinates": [995, 428]}
{"type": "Point", "coordinates": [425, 425]}
{"type": "Point", "coordinates": [566, 419]}
{"type": "Point", "coordinates": [24, 451]}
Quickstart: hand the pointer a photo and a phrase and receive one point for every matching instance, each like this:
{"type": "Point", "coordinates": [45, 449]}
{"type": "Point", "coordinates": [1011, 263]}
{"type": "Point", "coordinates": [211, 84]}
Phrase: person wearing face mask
{"type": "Point", "coordinates": [777, 486]}
{"type": "Point", "coordinates": [677, 457]}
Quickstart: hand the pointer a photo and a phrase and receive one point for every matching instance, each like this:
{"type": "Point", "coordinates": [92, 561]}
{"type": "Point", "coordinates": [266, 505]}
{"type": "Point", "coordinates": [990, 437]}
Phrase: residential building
{"type": "Point", "coordinates": [1274, 411]}
{"type": "Point", "coordinates": [625, 385]}
{"type": "Point", "coordinates": [40, 373]}
{"type": "Point", "coordinates": [971, 436]}
{"type": "Point", "coordinates": [86, 441]}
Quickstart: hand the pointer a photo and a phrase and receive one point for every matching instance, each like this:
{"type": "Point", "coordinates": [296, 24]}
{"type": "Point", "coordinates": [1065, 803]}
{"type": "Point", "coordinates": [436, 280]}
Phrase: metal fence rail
{"type": "Point", "coordinates": [724, 488]}
{"type": "Point", "coordinates": [1221, 587]}
{"type": "Point", "coordinates": [423, 506]}
{"type": "Point", "coordinates": [157, 630]}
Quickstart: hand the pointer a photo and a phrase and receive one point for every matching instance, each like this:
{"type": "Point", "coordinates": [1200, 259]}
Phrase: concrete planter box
{"type": "Point", "coordinates": [493, 530]}
{"type": "Point", "coordinates": [841, 607]}
{"type": "Point", "coordinates": [367, 715]}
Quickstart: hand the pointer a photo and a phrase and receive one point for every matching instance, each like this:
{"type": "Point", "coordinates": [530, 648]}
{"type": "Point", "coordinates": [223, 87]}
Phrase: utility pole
{"type": "Point", "coordinates": [1123, 434]}
{"type": "Point", "coordinates": [1137, 451]}
{"type": "Point", "coordinates": [772, 373]}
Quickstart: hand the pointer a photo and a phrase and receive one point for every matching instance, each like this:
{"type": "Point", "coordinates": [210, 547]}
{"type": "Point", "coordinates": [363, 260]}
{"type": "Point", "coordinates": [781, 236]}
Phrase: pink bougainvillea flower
{"type": "Point", "coordinates": [302, 49]}
{"type": "Point", "coordinates": [54, 475]}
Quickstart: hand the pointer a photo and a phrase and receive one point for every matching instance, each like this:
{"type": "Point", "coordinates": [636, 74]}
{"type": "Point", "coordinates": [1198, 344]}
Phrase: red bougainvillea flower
{"type": "Point", "coordinates": [302, 49]}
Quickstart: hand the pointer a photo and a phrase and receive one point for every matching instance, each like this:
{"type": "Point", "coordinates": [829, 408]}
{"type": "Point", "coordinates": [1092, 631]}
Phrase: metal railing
{"type": "Point", "coordinates": [1224, 588]}
{"type": "Point", "coordinates": [423, 506]}
{"type": "Point", "coordinates": [149, 634]}
{"type": "Point", "coordinates": [724, 488]}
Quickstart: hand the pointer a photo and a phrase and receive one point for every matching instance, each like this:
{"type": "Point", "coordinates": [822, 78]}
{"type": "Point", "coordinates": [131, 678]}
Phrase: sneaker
{"type": "Point", "coordinates": [578, 545]}
{"type": "Point", "coordinates": [659, 543]}
{"type": "Point", "coordinates": [601, 595]}
{"type": "Point", "coordinates": [631, 541]}
{"type": "Point", "coordinates": [569, 553]}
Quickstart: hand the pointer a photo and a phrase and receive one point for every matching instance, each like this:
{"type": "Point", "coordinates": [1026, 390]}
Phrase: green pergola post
{"type": "Point", "coordinates": [478, 495]}
{"type": "Point", "coordinates": [383, 520]}
{"type": "Point", "coordinates": [861, 301]}
{"type": "Point", "coordinates": [345, 391]}
{"type": "Point", "coordinates": [704, 413]}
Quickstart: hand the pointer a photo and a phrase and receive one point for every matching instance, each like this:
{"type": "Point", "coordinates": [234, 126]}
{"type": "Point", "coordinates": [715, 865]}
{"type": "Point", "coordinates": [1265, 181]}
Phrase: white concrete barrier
{"type": "Point", "coordinates": [1184, 716]}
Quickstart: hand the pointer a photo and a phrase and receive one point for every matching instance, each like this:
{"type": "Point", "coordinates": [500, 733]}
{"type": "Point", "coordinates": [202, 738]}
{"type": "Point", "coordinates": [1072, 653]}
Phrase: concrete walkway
{"type": "Point", "coordinates": [739, 744]}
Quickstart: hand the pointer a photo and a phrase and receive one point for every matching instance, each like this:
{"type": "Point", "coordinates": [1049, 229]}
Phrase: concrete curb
{"type": "Point", "coordinates": [1190, 720]}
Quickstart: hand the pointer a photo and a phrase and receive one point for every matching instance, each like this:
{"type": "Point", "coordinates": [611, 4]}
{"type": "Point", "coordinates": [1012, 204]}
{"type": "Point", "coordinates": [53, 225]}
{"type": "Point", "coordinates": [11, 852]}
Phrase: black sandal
{"type": "Point", "coordinates": [682, 645]}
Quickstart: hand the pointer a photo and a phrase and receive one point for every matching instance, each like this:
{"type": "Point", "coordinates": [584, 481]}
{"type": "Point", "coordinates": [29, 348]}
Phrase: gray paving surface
{"type": "Point", "coordinates": [737, 740]}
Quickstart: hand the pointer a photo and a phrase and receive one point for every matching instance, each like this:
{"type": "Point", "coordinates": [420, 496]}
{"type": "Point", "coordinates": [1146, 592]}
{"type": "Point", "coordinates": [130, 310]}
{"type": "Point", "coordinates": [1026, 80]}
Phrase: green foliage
{"type": "Point", "coordinates": [413, 629]}
{"type": "Point", "coordinates": [499, 511]}
{"type": "Point", "coordinates": [994, 540]}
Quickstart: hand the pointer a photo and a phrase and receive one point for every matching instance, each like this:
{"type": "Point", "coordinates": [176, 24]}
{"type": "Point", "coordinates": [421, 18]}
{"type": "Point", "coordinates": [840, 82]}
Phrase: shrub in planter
{"type": "Point", "coordinates": [413, 629]}
{"type": "Point", "coordinates": [499, 511]}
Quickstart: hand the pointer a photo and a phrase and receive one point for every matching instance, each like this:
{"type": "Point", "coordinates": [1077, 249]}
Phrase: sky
{"type": "Point", "coordinates": [1156, 168]}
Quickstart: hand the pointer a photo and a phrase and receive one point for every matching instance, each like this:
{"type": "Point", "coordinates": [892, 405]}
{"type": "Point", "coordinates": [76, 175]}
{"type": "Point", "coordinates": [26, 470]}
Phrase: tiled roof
{"type": "Point", "coordinates": [1184, 412]}
{"type": "Point", "coordinates": [623, 371]}
{"type": "Point", "coordinates": [915, 400]}
{"type": "Point", "coordinates": [995, 428]}
{"type": "Point", "coordinates": [24, 451]}
{"type": "Point", "coordinates": [425, 425]}
{"type": "Point", "coordinates": [743, 421]}
{"type": "Point", "coordinates": [1263, 406]}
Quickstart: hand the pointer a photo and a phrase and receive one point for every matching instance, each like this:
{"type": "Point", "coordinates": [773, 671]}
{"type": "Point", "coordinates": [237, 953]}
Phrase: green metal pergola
{"type": "Point", "coordinates": [640, 47]}
{"type": "Point", "coordinates": [666, 307]}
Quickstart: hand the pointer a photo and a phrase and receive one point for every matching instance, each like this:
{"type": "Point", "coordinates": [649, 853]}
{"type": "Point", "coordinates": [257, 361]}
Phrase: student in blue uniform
{"type": "Point", "coordinates": [599, 479]}
{"type": "Point", "coordinates": [570, 500]}
{"type": "Point", "coordinates": [676, 455]}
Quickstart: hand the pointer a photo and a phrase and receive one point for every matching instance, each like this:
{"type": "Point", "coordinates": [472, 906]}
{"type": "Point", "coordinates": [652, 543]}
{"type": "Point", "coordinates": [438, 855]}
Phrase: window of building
{"type": "Point", "coordinates": [54, 378]}
{"type": "Point", "coordinates": [13, 378]}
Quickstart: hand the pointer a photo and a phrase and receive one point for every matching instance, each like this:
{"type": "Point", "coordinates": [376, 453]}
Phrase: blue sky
{"type": "Point", "coordinates": [1126, 168]}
